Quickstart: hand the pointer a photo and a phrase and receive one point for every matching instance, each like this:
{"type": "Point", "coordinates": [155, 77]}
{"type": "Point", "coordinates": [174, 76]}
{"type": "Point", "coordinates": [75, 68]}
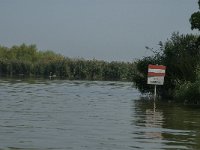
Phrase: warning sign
{"type": "Point", "coordinates": [156, 74]}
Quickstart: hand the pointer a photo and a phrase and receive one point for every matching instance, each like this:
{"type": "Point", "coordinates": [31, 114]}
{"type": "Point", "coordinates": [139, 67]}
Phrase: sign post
{"type": "Point", "coordinates": [156, 74]}
{"type": "Point", "coordinates": [154, 92]}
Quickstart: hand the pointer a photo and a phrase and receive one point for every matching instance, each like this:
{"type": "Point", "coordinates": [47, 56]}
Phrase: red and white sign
{"type": "Point", "coordinates": [156, 74]}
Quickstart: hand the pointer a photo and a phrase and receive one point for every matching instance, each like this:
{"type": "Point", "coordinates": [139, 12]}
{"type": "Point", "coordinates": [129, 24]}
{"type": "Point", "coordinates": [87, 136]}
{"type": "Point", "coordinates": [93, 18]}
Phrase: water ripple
{"type": "Point", "coordinates": [89, 115]}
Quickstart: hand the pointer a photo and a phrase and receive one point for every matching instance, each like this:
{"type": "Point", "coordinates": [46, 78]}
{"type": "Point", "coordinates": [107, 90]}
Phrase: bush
{"type": "Point", "coordinates": [189, 92]}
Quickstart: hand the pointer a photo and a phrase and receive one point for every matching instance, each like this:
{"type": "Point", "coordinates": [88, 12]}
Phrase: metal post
{"type": "Point", "coordinates": [155, 93]}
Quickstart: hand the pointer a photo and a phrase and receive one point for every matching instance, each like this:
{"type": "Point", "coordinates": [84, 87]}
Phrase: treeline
{"type": "Point", "coordinates": [26, 60]}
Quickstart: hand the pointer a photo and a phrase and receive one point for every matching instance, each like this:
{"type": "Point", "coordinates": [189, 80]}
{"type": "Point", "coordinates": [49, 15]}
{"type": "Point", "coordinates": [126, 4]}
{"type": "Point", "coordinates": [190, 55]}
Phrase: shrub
{"type": "Point", "coordinates": [189, 92]}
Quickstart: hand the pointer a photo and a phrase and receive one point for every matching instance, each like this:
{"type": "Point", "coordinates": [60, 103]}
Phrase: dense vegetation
{"type": "Point", "coordinates": [26, 60]}
{"type": "Point", "coordinates": [181, 55]}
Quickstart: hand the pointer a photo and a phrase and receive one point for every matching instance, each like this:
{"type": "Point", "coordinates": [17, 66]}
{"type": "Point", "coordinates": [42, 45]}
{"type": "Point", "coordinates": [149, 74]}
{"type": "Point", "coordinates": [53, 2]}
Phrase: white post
{"type": "Point", "coordinates": [154, 106]}
{"type": "Point", "coordinates": [155, 93]}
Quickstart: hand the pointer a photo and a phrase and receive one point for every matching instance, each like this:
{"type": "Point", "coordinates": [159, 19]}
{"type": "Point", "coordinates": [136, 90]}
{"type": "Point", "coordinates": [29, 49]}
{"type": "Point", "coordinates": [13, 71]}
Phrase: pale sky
{"type": "Point", "coordinates": [111, 30]}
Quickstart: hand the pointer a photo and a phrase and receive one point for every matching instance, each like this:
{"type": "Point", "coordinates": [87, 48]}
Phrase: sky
{"type": "Point", "coordinates": [110, 30]}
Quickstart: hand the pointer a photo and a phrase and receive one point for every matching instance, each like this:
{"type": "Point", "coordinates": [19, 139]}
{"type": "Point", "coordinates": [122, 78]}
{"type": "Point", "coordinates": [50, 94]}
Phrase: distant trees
{"type": "Point", "coordinates": [26, 60]}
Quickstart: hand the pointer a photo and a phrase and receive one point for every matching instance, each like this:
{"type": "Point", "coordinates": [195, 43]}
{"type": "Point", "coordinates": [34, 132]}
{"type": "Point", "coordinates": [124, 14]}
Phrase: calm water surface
{"type": "Point", "coordinates": [85, 115]}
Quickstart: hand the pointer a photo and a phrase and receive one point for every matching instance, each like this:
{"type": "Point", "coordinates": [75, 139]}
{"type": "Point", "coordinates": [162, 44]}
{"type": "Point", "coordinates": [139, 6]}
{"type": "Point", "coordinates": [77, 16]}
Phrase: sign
{"type": "Point", "coordinates": [156, 74]}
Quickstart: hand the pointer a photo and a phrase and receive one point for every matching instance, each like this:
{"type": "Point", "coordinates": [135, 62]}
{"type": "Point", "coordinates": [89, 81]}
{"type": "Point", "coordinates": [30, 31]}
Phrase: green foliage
{"type": "Point", "coordinates": [188, 73]}
{"type": "Point", "coordinates": [26, 60]}
{"type": "Point", "coordinates": [195, 19]}
{"type": "Point", "coordinates": [181, 57]}
{"type": "Point", "coordinates": [189, 91]}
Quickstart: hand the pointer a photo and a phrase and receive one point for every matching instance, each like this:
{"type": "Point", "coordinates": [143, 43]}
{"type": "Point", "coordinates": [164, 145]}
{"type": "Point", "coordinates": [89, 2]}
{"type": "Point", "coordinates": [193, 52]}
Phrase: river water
{"type": "Point", "coordinates": [91, 115]}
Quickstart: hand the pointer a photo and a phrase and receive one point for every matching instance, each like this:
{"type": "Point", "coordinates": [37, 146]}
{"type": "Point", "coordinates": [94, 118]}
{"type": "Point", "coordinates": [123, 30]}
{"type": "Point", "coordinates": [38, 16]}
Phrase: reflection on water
{"type": "Point", "coordinates": [166, 126]}
{"type": "Point", "coordinates": [84, 115]}
{"type": "Point", "coordinates": [154, 119]}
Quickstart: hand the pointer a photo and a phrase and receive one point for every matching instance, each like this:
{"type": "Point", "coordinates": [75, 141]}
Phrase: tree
{"type": "Point", "coordinates": [195, 19]}
{"type": "Point", "coordinates": [181, 56]}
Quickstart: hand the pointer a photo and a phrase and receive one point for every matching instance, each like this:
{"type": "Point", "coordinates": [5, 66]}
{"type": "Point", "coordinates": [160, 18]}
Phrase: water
{"type": "Point", "coordinates": [86, 115]}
